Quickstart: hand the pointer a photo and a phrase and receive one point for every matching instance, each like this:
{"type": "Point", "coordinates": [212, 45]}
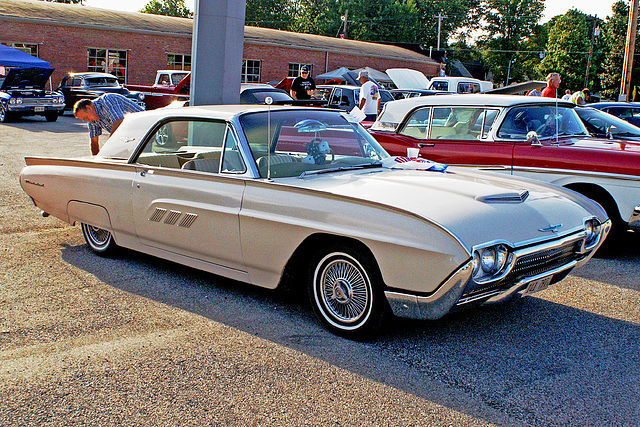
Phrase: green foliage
{"type": "Point", "coordinates": [568, 50]}
{"type": "Point", "coordinates": [509, 23]}
{"type": "Point", "coordinates": [614, 35]}
{"type": "Point", "coordinates": [168, 8]}
{"type": "Point", "coordinates": [276, 14]}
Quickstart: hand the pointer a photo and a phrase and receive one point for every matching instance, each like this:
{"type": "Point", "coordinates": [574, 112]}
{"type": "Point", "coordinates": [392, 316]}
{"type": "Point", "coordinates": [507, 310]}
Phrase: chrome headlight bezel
{"type": "Point", "coordinates": [592, 230]}
{"type": "Point", "coordinates": [491, 261]}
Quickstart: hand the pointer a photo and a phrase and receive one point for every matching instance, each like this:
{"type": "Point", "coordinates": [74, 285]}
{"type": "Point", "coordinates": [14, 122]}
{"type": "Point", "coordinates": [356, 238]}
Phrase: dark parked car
{"type": "Point", "coordinates": [605, 125]}
{"type": "Point", "coordinates": [77, 86]}
{"type": "Point", "coordinates": [22, 93]}
{"type": "Point", "coordinates": [346, 97]}
{"type": "Point", "coordinates": [628, 111]}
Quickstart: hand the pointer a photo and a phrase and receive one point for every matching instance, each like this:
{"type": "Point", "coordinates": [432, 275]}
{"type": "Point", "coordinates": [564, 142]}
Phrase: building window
{"type": "Point", "coordinates": [294, 69]}
{"type": "Point", "coordinates": [28, 48]}
{"type": "Point", "coordinates": [108, 61]}
{"type": "Point", "coordinates": [250, 71]}
{"type": "Point", "coordinates": [176, 61]}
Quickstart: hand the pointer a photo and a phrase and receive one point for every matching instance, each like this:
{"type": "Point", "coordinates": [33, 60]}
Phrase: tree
{"type": "Point", "coordinates": [568, 50]}
{"type": "Point", "coordinates": [168, 8]}
{"type": "Point", "coordinates": [269, 14]}
{"type": "Point", "coordinates": [509, 23]}
{"type": "Point", "coordinates": [614, 35]}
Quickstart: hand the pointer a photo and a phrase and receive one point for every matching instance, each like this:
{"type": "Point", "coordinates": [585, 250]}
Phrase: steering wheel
{"type": "Point", "coordinates": [162, 136]}
{"type": "Point", "coordinates": [318, 141]}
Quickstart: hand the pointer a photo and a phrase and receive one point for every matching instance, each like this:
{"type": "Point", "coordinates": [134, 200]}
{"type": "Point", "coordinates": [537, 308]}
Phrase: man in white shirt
{"type": "Point", "coordinates": [369, 97]}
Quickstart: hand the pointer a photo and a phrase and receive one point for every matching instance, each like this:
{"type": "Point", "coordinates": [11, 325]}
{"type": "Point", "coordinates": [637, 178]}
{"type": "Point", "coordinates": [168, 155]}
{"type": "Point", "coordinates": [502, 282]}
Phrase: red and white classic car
{"type": "Point", "coordinates": [533, 137]}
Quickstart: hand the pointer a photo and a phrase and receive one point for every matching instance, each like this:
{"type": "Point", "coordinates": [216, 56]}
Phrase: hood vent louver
{"type": "Point", "coordinates": [512, 197]}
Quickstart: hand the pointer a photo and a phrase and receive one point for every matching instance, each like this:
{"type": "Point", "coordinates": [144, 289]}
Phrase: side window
{"type": "Point", "coordinates": [232, 159]}
{"type": "Point", "coordinates": [440, 86]}
{"type": "Point", "coordinates": [164, 80]}
{"type": "Point", "coordinates": [442, 123]}
{"type": "Point", "coordinates": [468, 87]}
{"type": "Point", "coordinates": [417, 124]}
{"type": "Point", "coordinates": [335, 97]}
{"type": "Point", "coordinates": [489, 118]}
{"type": "Point", "coordinates": [186, 144]}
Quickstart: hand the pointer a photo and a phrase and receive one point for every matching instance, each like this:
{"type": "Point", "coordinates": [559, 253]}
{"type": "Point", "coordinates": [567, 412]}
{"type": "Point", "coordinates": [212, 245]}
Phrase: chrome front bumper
{"type": "Point", "coordinates": [634, 221]}
{"type": "Point", "coordinates": [450, 293]}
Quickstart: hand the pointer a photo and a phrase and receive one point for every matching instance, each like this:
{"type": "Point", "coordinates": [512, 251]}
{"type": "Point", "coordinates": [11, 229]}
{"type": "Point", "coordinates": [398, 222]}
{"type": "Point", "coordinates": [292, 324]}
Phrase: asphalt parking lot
{"type": "Point", "coordinates": [135, 340]}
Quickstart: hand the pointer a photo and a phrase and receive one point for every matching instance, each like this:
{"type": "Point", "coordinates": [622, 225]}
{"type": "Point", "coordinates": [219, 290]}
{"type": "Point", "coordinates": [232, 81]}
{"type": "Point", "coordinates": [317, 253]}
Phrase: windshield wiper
{"type": "Point", "coordinates": [341, 168]}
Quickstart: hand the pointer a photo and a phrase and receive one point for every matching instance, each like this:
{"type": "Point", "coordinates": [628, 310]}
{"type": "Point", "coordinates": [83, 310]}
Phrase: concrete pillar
{"type": "Point", "coordinates": [216, 52]}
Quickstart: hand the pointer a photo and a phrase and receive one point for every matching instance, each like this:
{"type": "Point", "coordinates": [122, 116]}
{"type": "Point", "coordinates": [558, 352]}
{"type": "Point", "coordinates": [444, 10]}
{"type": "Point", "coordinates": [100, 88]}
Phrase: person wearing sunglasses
{"type": "Point", "coordinates": [303, 86]}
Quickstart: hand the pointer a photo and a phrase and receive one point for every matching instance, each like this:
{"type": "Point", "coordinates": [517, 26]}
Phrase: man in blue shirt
{"type": "Point", "coordinates": [105, 112]}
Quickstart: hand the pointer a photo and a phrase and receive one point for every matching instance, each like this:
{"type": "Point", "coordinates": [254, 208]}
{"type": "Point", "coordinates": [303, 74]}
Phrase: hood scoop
{"type": "Point", "coordinates": [509, 197]}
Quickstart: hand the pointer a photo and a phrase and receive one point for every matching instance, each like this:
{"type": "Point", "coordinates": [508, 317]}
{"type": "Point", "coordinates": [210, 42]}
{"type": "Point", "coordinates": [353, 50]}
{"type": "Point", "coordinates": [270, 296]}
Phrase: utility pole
{"type": "Point", "coordinates": [344, 18]}
{"type": "Point", "coordinates": [595, 32]}
{"type": "Point", "coordinates": [629, 51]}
{"type": "Point", "coordinates": [440, 18]}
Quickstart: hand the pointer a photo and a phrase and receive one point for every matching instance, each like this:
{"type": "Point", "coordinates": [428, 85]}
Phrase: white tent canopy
{"type": "Point", "coordinates": [376, 75]}
{"type": "Point", "coordinates": [335, 74]}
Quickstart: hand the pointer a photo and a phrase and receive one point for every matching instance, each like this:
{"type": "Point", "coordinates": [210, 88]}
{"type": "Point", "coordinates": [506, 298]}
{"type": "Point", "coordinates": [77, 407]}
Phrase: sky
{"type": "Point", "coordinates": [602, 8]}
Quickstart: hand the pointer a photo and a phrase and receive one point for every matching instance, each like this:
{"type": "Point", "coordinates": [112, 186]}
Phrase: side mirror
{"type": "Point", "coordinates": [610, 131]}
{"type": "Point", "coordinates": [532, 138]}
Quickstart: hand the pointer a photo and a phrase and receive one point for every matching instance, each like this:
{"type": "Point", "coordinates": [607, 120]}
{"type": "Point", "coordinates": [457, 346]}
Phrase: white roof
{"type": "Point", "coordinates": [394, 111]}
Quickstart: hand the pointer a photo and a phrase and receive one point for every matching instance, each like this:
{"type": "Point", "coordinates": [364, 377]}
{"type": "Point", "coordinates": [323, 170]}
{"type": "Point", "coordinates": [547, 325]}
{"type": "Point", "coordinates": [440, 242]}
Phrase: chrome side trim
{"type": "Point", "coordinates": [435, 305]}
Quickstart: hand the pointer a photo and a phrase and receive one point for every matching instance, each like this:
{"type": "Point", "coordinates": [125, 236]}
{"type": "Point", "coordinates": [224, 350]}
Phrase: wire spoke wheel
{"type": "Point", "coordinates": [99, 240]}
{"type": "Point", "coordinates": [346, 293]}
{"type": "Point", "coordinates": [345, 290]}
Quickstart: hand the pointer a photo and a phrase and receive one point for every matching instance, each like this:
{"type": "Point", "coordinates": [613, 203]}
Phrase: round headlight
{"type": "Point", "coordinates": [488, 259]}
{"type": "Point", "coordinates": [19, 101]}
{"type": "Point", "coordinates": [141, 96]}
{"type": "Point", "coordinates": [588, 228]}
{"type": "Point", "coordinates": [12, 100]}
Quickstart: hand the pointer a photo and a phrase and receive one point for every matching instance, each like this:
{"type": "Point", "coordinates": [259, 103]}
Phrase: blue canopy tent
{"type": "Point", "coordinates": [10, 57]}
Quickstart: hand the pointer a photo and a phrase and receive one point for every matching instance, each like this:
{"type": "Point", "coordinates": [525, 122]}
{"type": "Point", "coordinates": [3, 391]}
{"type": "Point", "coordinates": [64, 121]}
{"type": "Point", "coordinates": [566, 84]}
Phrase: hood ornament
{"type": "Point", "coordinates": [552, 228]}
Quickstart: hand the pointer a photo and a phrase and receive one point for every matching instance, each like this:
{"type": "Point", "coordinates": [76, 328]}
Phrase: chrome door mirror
{"type": "Point", "coordinates": [532, 138]}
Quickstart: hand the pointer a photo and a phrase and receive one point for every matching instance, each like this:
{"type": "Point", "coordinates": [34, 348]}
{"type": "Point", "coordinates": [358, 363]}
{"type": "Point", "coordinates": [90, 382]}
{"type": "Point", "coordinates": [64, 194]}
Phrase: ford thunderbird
{"type": "Point", "coordinates": [525, 136]}
{"type": "Point", "coordinates": [306, 197]}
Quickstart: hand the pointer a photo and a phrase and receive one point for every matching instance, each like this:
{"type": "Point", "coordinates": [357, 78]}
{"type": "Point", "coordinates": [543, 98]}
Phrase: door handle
{"type": "Point", "coordinates": [426, 144]}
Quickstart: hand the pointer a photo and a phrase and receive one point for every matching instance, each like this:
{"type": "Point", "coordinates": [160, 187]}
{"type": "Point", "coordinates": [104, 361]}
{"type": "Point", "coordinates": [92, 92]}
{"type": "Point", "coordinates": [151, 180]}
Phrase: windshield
{"type": "Point", "coordinates": [302, 141]}
{"type": "Point", "coordinates": [258, 96]}
{"type": "Point", "coordinates": [600, 122]}
{"type": "Point", "coordinates": [543, 119]}
{"type": "Point", "coordinates": [102, 81]}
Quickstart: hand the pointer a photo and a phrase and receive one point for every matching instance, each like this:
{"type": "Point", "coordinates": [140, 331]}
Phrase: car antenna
{"type": "Point", "coordinates": [268, 100]}
{"type": "Point", "coordinates": [557, 142]}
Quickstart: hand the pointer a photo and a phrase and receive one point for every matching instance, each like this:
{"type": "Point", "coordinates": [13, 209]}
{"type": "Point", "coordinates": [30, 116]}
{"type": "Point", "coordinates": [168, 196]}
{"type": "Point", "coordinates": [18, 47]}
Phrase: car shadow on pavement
{"type": "Point", "coordinates": [529, 362]}
{"type": "Point", "coordinates": [64, 124]}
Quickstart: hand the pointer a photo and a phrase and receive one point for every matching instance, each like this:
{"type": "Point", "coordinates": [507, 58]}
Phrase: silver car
{"type": "Point", "coordinates": [304, 196]}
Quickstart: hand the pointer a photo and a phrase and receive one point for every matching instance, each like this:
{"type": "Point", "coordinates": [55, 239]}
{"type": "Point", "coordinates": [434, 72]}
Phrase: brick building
{"type": "Point", "coordinates": [134, 45]}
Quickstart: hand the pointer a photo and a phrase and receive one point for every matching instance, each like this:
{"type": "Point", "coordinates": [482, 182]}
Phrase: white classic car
{"type": "Point", "coordinates": [263, 194]}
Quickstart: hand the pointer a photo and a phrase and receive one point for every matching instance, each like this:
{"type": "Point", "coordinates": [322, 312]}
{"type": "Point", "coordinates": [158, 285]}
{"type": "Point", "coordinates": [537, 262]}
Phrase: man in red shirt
{"type": "Point", "coordinates": [553, 83]}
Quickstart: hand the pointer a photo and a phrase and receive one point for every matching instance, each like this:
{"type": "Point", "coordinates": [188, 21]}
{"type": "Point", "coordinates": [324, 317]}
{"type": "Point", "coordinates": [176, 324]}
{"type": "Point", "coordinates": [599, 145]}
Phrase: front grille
{"type": "Point", "coordinates": [539, 262]}
{"type": "Point", "coordinates": [37, 101]}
